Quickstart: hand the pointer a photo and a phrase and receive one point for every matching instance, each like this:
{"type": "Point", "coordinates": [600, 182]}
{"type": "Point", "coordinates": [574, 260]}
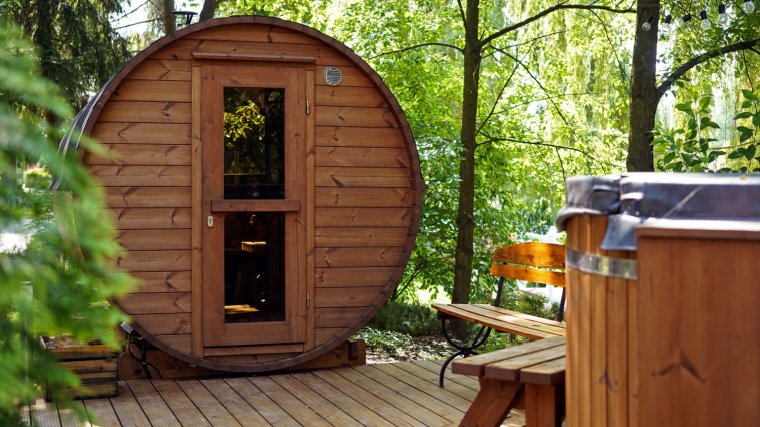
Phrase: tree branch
{"type": "Point", "coordinates": [693, 62]}
{"type": "Point", "coordinates": [626, 81]}
{"type": "Point", "coordinates": [461, 12]}
{"type": "Point", "coordinates": [559, 6]}
{"type": "Point", "coordinates": [418, 46]}
{"type": "Point", "coordinates": [542, 144]}
{"type": "Point", "coordinates": [496, 101]}
{"type": "Point", "coordinates": [137, 23]}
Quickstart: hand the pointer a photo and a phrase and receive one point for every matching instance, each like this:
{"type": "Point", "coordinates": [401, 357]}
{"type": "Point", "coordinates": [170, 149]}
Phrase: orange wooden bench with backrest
{"type": "Point", "coordinates": [525, 261]}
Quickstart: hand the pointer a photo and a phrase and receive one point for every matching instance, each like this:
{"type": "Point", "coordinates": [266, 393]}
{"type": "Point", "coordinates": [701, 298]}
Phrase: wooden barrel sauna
{"type": "Point", "coordinates": [266, 189]}
{"type": "Point", "coordinates": [661, 322]}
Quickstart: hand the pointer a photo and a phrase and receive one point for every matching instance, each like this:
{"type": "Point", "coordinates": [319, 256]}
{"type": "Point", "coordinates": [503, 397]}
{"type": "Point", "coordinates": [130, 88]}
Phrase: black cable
{"type": "Point", "coordinates": [143, 348]}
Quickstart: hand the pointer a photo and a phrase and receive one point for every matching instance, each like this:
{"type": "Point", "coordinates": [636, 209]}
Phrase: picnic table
{"type": "Point", "coordinates": [530, 376]}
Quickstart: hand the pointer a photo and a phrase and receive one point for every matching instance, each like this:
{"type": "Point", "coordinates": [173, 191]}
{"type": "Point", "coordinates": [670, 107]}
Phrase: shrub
{"type": "Point", "coordinates": [409, 318]}
{"type": "Point", "coordinates": [37, 179]}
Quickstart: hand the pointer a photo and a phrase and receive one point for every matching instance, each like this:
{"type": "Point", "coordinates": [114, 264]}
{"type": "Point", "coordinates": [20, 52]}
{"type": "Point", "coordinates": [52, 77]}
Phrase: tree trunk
{"type": "Point", "coordinates": [644, 97]}
{"type": "Point", "coordinates": [465, 221]}
{"type": "Point", "coordinates": [207, 12]}
{"type": "Point", "coordinates": [170, 23]}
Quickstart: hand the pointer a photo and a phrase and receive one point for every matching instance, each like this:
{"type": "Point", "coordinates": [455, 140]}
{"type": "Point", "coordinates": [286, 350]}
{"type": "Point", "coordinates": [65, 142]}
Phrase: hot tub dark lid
{"type": "Point", "coordinates": [636, 198]}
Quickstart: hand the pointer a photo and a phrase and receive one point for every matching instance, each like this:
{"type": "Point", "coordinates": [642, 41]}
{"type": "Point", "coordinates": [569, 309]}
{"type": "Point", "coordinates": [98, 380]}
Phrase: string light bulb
{"type": "Point", "coordinates": [686, 18]}
{"type": "Point", "coordinates": [722, 15]}
{"type": "Point", "coordinates": [748, 7]}
{"type": "Point", "coordinates": [667, 24]}
{"type": "Point", "coordinates": [646, 26]}
{"type": "Point", "coordinates": [706, 24]}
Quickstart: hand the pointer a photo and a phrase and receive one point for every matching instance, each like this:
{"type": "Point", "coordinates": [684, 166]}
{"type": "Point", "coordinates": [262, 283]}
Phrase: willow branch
{"type": "Point", "coordinates": [693, 62]}
{"type": "Point", "coordinates": [625, 80]}
{"type": "Point", "coordinates": [559, 6]}
{"type": "Point", "coordinates": [542, 144]}
{"type": "Point", "coordinates": [137, 23]}
{"type": "Point", "coordinates": [419, 46]}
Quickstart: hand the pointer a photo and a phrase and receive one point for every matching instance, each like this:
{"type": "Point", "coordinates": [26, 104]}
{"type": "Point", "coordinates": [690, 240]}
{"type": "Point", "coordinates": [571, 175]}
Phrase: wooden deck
{"type": "Point", "coordinates": [401, 394]}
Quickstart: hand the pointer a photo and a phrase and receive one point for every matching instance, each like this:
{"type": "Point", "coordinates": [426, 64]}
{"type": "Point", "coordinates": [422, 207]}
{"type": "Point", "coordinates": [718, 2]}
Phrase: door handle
{"type": "Point", "coordinates": [210, 221]}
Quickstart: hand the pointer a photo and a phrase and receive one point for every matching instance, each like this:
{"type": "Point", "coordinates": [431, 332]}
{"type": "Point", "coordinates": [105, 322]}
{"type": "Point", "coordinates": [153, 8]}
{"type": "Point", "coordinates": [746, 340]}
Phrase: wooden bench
{"type": "Point", "coordinates": [526, 256]}
{"type": "Point", "coordinates": [530, 377]}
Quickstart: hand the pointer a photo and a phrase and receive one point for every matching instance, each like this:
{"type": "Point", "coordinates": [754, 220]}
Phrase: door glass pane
{"type": "Point", "coordinates": [254, 143]}
{"type": "Point", "coordinates": [254, 267]}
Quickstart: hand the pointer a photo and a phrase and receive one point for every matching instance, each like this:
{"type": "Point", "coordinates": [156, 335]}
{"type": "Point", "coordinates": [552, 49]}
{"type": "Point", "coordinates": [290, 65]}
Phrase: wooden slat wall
{"type": "Point", "coordinates": [363, 196]}
{"type": "Point", "coordinates": [146, 171]}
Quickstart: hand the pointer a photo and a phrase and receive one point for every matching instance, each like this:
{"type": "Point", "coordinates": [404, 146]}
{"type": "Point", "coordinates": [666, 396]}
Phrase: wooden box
{"type": "Point", "coordinates": [95, 364]}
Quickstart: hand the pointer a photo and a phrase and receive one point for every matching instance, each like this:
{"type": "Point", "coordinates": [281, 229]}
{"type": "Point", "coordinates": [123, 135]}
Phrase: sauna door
{"type": "Point", "coordinates": [253, 194]}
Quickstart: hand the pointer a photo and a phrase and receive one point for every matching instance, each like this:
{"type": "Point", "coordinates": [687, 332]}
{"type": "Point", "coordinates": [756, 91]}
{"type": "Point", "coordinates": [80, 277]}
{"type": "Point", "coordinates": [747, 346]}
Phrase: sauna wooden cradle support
{"type": "Point", "coordinates": [266, 189]}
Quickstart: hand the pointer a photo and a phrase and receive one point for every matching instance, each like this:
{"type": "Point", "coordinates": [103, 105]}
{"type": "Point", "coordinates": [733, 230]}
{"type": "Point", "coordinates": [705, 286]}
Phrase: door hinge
{"type": "Point", "coordinates": [307, 300]}
{"type": "Point", "coordinates": [307, 107]}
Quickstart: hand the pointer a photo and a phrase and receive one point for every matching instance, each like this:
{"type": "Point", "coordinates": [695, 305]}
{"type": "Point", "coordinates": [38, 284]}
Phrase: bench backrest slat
{"type": "Point", "coordinates": [546, 255]}
{"type": "Point", "coordinates": [528, 274]}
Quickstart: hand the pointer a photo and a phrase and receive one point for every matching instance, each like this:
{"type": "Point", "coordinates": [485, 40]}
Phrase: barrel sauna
{"type": "Point", "coordinates": [266, 188]}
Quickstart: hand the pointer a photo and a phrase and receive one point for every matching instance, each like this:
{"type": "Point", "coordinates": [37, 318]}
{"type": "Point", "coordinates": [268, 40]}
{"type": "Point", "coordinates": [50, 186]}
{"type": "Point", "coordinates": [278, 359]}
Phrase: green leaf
{"type": "Point", "coordinates": [756, 120]}
{"type": "Point", "coordinates": [748, 95]}
{"type": "Point", "coordinates": [669, 157]}
{"type": "Point", "coordinates": [743, 115]}
{"type": "Point", "coordinates": [685, 107]}
{"type": "Point", "coordinates": [749, 152]}
{"type": "Point", "coordinates": [738, 154]}
{"type": "Point", "coordinates": [692, 124]}
{"type": "Point", "coordinates": [704, 103]}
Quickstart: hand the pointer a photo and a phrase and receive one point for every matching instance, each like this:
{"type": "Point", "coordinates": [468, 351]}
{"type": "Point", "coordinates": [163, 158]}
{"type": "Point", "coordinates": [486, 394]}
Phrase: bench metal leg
{"type": "Point", "coordinates": [463, 351]}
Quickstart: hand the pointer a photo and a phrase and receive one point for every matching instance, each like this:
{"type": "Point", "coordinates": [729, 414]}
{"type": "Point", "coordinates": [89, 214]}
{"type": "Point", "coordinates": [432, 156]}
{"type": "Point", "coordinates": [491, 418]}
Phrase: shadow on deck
{"type": "Point", "coordinates": [401, 394]}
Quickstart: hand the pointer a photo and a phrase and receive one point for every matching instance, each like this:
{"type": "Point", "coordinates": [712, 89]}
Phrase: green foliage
{"type": "Point", "coordinates": [37, 179]}
{"type": "Point", "coordinates": [45, 289]}
{"type": "Point", "coordinates": [394, 343]}
{"type": "Point", "coordinates": [409, 318]}
{"type": "Point", "coordinates": [692, 150]}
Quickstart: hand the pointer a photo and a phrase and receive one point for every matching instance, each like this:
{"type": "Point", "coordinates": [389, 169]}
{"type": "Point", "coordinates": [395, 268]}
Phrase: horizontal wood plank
{"type": "Point", "coordinates": [151, 218]}
{"type": "Point", "coordinates": [329, 318]}
{"type": "Point", "coordinates": [180, 342]}
{"type": "Point", "coordinates": [181, 49]}
{"type": "Point", "coordinates": [254, 349]}
{"type": "Point", "coordinates": [357, 257]}
{"type": "Point", "coordinates": [284, 205]}
{"type": "Point", "coordinates": [252, 33]}
{"type": "Point", "coordinates": [363, 197]}
{"type": "Point", "coordinates": [322, 335]}
{"type": "Point", "coordinates": [141, 155]}
{"type": "Point", "coordinates": [505, 321]}
{"type": "Point", "coordinates": [546, 255]}
{"type": "Point", "coordinates": [529, 274]}
{"type": "Point", "coordinates": [155, 240]}
{"type": "Point", "coordinates": [142, 176]}
{"type": "Point", "coordinates": [147, 197]}
{"type": "Point", "coordinates": [344, 96]}
{"type": "Point", "coordinates": [352, 76]}
{"type": "Point", "coordinates": [155, 303]}
{"type": "Point", "coordinates": [363, 177]}
{"type": "Point", "coordinates": [161, 69]}
{"type": "Point", "coordinates": [259, 57]}
{"type": "Point", "coordinates": [362, 157]}
{"type": "Point", "coordinates": [346, 297]}
{"type": "Point", "coordinates": [360, 237]}
{"type": "Point", "coordinates": [362, 217]}
{"type": "Point", "coordinates": [355, 117]}
{"type": "Point", "coordinates": [152, 90]}
{"type": "Point", "coordinates": [475, 365]}
{"type": "Point", "coordinates": [327, 136]}
{"type": "Point", "coordinates": [142, 133]}
{"type": "Point", "coordinates": [145, 112]}
{"type": "Point", "coordinates": [509, 369]}
{"type": "Point", "coordinates": [161, 324]}
{"type": "Point", "coordinates": [346, 277]}
{"type": "Point", "coordinates": [160, 281]}
{"type": "Point", "coordinates": [160, 261]}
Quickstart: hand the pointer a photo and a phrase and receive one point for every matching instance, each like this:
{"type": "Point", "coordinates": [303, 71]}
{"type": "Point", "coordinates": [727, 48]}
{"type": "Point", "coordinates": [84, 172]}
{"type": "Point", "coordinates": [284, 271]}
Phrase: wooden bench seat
{"type": "Point", "coordinates": [526, 261]}
{"type": "Point", "coordinates": [504, 320]}
{"type": "Point", "coordinates": [530, 376]}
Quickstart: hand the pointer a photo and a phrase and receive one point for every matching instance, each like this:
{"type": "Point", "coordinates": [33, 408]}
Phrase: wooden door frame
{"type": "Point", "coordinates": [209, 328]}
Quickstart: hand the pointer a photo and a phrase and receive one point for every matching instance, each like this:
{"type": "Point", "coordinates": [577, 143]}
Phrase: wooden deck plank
{"type": "Point", "coordinates": [68, 417]}
{"type": "Point", "coordinates": [151, 403]}
{"type": "Point", "coordinates": [288, 402]}
{"type": "Point", "coordinates": [268, 409]}
{"type": "Point", "coordinates": [231, 400]}
{"type": "Point", "coordinates": [371, 400]}
{"type": "Point", "coordinates": [127, 408]}
{"type": "Point", "coordinates": [45, 414]}
{"type": "Point", "coordinates": [342, 400]}
{"type": "Point", "coordinates": [444, 395]}
{"type": "Point", "coordinates": [210, 407]}
{"type": "Point", "coordinates": [104, 412]}
{"type": "Point", "coordinates": [425, 375]}
{"type": "Point", "coordinates": [435, 367]}
{"type": "Point", "coordinates": [314, 400]}
{"type": "Point", "coordinates": [428, 407]}
{"type": "Point", "coordinates": [181, 405]}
